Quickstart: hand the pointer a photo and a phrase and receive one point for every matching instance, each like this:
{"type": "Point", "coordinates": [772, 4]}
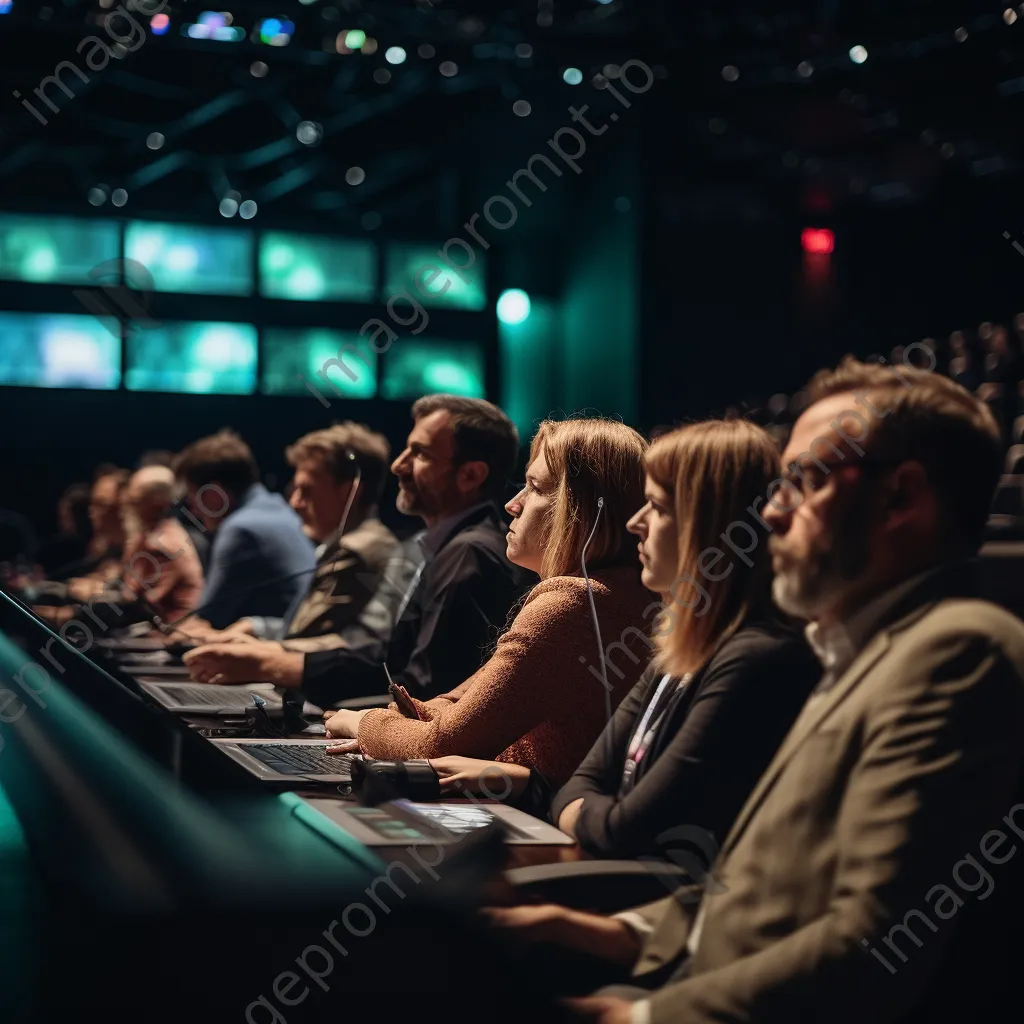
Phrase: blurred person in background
{"type": "Point", "coordinates": [160, 575]}
{"type": "Point", "coordinates": [260, 559]}
{"type": "Point", "coordinates": [339, 478]}
{"type": "Point", "coordinates": [74, 531]}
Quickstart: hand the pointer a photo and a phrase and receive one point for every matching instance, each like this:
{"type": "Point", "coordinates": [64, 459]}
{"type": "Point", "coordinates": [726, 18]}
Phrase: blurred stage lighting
{"type": "Point", "coordinates": [5, 6]}
{"type": "Point", "coordinates": [355, 38]}
{"type": "Point", "coordinates": [159, 24]}
{"type": "Point", "coordinates": [274, 31]}
{"type": "Point", "coordinates": [513, 306]}
{"type": "Point", "coordinates": [355, 176]}
{"type": "Point", "coordinates": [155, 140]}
{"type": "Point", "coordinates": [309, 133]}
{"type": "Point", "coordinates": [858, 54]}
{"type": "Point", "coordinates": [119, 197]}
{"type": "Point", "coordinates": [247, 210]}
{"type": "Point", "coordinates": [228, 207]}
{"type": "Point", "coordinates": [817, 241]}
{"type": "Point", "coordinates": [730, 73]}
{"type": "Point", "coordinates": [395, 55]}
{"type": "Point", "coordinates": [572, 76]}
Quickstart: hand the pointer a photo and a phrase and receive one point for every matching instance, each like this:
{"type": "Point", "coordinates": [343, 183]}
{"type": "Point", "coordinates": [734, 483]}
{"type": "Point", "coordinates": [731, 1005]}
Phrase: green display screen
{"type": "Point", "coordinates": [43, 350]}
{"type": "Point", "coordinates": [294, 355]}
{"type": "Point", "coordinates": [438, 284]}
{"type": "Point", "coordinates": [55, 250]}
{"type": "Point", "coordinates": [415, 368]}
{"type": "Point", "coordinates": [194, 358]}
{"type": "Point", "coordinates": [186, 258]}
{"type": "Point", "coordinates": [309, 268]}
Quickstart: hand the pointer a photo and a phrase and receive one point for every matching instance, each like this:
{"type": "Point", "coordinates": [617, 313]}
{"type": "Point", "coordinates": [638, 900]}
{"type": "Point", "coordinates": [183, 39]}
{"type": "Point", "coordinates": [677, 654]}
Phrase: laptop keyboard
{"type": "Point", "coordinates": [301, 759]}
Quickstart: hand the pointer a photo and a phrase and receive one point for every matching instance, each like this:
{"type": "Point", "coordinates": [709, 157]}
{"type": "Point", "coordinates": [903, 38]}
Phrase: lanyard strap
{"type": "Point", "coordinates": [645, 731]}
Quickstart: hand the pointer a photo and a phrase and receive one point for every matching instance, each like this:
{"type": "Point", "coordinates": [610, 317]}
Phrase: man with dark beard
{"type": "Point", "coordinates": [832, 903]}
{"type": "Point", "coordinates": [444, 597]}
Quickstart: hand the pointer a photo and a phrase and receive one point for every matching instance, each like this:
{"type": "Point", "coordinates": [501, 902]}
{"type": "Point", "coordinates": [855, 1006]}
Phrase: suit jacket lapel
{"type": "Point", "coordinates": [814, 712]}
{"type": "Point", "coordinates": [819, 707]}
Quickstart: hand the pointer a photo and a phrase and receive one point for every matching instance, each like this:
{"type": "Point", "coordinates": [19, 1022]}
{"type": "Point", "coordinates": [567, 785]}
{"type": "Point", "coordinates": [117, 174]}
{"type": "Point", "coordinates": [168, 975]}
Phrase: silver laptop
{"type": "Point", "coordinates": [204, 698]}
{"type": "Point", "coordinates": [405, 823]}
{"type": "Point", "coordinates": [297, 760]}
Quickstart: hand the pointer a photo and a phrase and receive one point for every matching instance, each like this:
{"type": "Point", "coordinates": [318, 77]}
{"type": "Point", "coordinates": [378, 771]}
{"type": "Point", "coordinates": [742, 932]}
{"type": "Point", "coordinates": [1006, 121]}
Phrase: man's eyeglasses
{"type": "Point", "coordinates": [801, 482]}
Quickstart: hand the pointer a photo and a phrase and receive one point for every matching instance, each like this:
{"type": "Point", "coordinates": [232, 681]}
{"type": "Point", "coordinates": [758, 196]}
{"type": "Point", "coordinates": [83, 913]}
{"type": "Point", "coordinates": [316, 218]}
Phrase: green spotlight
{"type": "Point", "coordinates": [513, 306]}
{"type": "Point", "coordinates": [355, 38]}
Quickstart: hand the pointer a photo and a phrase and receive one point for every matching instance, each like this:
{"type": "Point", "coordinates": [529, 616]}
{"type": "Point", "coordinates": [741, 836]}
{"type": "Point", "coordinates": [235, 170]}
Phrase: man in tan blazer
{"type": "Point", "coordinates": [888, 814]}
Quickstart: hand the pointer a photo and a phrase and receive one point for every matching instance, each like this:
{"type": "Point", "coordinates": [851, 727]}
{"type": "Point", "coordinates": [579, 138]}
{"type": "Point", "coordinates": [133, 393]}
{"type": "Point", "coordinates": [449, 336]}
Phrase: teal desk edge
{"type": "Point", "coordinates": [332, 832]}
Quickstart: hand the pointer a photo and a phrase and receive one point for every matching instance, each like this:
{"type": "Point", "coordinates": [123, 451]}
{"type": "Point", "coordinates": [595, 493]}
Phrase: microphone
{"type": "Point", "coordinates": [350, 456]}
{"type": "Point", "coordinates": [593, 613]}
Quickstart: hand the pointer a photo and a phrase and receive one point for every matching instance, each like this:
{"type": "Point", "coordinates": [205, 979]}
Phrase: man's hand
{"type": "Point", "coordinates": [195, 629]}
{"type": "Point", "coordinates": [84, 588]}
{"type": "Point", "coordinates": [255, 662]}
{"type": "Point", "coordinates": [602, 1010]}
{"type": "Point", "coordinates": [529, 923]}
{"type": "Point", "coordinates": [54, 615]}
{"type": "Point", "coordinates": [569, 816]}
{"type": "Point", "coordinates": [606, 938]}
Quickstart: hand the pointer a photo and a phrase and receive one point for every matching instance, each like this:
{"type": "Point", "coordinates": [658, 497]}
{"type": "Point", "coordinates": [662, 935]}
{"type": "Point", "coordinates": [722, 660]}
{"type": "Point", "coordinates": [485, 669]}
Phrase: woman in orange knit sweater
{"type": "Point", "coordinates": [540, 700]}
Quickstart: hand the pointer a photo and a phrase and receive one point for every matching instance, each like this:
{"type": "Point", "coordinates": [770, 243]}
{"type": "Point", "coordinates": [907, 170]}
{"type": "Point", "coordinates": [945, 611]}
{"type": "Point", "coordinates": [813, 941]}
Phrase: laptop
{"type": "Point", "coordinates": [407, 823]}
{"type": "Point", "coordinates": [207, 699]}
{"type": "Point", "coordinates": [295, 760]}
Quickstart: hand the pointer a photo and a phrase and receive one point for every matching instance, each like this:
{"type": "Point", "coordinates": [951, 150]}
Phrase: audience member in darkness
{"type": "Point", "coordinates": [73, 532]}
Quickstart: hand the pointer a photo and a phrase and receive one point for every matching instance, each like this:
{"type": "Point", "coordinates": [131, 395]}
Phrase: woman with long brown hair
{"type": "Point", "coordinates": [533, 702]}
{"type": "Point", "coordinates": [727, 678]}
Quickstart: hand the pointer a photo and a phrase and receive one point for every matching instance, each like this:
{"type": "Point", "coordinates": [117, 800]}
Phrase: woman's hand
{"type": "Point", "coordinates": [343, 725]}
{"type": "Point", "coordinates": [492, 779]}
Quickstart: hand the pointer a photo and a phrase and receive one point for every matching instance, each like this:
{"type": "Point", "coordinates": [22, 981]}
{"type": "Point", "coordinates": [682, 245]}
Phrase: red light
{"type": "Point", "coordinates": [818, 240]}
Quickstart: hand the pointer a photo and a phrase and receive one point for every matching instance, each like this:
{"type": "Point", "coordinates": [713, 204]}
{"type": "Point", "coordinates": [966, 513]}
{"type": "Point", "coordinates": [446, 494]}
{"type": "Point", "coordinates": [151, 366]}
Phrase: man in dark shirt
{"type": "Point", "coordinates": [445, 596]}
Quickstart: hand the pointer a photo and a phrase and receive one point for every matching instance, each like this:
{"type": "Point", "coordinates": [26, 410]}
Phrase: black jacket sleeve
{"type": "Point", "coordinates": [748, 698]}
{"type": "Point", "coordinates": [601, 770]}
{"type": "Point", "coordinates": [465, 601]}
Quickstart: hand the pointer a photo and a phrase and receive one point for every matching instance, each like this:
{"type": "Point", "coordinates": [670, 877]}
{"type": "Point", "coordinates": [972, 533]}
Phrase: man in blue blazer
{"type": "Point", "coordinates": [260, 559]}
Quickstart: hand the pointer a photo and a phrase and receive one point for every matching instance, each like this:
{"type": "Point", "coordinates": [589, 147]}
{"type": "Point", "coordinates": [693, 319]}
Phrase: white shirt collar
{"type": "Point", "coordinates": [837, 645]}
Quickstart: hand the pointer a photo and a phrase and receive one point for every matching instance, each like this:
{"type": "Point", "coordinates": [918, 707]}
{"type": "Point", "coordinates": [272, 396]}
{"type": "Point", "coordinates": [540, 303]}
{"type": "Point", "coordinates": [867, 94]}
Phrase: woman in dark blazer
{"type": "Point", "coordinates": [727, 678]}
